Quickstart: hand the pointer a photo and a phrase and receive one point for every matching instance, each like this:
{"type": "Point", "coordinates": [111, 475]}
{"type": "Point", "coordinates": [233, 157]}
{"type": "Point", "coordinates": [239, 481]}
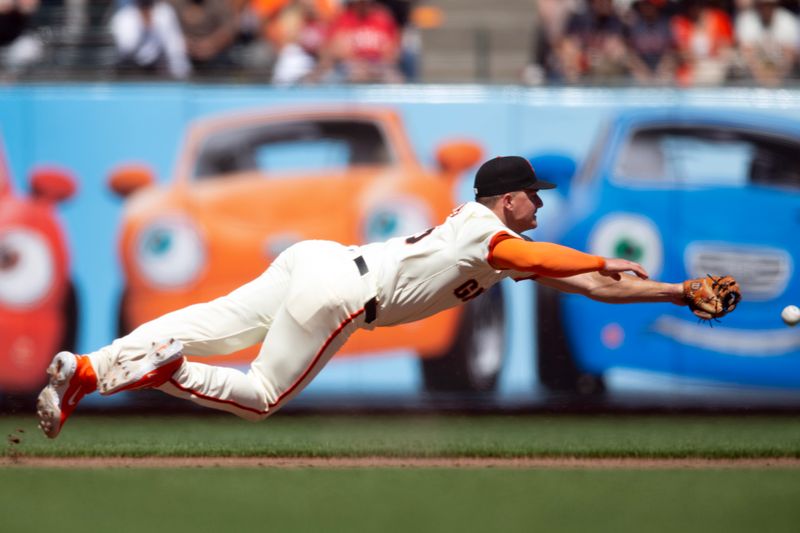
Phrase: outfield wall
{"type": "Point", "coordinates": [92, 129]}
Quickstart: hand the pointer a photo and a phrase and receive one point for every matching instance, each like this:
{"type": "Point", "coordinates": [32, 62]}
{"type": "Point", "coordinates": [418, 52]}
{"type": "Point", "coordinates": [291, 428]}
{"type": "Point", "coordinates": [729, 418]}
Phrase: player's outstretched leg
{"type": "Point", "coordinates": [146, 370]}
{"type": "Point", "coordinates": [293, 353]}
{"type": "Point", "coordinates": [71, 377]}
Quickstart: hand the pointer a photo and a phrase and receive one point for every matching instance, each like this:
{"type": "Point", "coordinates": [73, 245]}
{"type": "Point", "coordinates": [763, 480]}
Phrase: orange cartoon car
{"type": "Point", "coordinates": [38, 307]}
{"type": "Point", "coordinates": [248, 185]}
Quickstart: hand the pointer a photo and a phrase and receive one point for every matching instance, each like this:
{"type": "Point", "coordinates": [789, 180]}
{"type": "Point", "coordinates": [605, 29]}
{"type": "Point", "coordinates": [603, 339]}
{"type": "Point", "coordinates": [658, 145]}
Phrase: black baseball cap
{"type": "Point", "coordinates": [507, 174]}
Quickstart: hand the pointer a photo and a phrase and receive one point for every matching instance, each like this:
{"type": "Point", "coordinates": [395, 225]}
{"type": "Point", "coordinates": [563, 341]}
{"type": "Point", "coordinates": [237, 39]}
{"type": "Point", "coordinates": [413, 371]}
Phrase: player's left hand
{"type": "Point", "coordinates": [615, 265]}
{"type": "Point", "coordinates": [711, 297]}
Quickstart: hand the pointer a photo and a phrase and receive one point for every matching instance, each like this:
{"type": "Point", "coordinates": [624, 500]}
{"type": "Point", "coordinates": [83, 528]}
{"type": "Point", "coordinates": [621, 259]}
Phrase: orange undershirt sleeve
{"type": "Point", "coordinates": [543, 258]}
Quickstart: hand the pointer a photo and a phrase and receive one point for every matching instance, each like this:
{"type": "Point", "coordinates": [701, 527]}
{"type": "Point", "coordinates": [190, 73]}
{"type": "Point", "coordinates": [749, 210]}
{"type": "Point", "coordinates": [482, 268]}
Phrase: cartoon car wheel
{"type": "Point", "coordinates": [558, 370]}
{"type": "Point", "coordinates": [474, 361]}
{"type": "Point", "coordinates": [70, 311]}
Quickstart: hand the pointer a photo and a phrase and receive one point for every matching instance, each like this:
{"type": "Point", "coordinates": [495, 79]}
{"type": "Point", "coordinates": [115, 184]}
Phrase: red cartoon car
{"type": "Point", "coordinates": [38, 306]}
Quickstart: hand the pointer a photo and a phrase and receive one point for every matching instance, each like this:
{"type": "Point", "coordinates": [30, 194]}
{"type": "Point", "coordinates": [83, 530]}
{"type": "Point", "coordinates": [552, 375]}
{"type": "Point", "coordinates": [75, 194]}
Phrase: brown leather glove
{"type": "Point", "coordinates": [711, 297]}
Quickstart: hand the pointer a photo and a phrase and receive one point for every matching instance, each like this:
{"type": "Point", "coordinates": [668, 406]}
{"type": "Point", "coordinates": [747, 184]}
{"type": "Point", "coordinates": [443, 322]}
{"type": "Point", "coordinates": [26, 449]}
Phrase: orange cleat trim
{"type": "Point", "coordinates": [156, 377]}
{"type": "Point", "coordinates": [83, 382]}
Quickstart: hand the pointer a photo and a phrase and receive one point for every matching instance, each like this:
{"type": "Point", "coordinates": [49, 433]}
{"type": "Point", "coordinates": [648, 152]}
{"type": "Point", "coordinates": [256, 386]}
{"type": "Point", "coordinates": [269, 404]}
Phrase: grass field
{"type": "Point", "coordinates": [405, 500]}
{"type": "Point", "coordinates": [426, 436]}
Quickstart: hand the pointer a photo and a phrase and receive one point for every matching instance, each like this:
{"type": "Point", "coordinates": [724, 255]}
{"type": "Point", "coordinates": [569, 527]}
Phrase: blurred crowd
{"type": "Point", "coordinates": [648, 42]}
{"type": "Point", "coordinates": [665, 42]}
{"type": "Point", "coordinates": [294, 41]}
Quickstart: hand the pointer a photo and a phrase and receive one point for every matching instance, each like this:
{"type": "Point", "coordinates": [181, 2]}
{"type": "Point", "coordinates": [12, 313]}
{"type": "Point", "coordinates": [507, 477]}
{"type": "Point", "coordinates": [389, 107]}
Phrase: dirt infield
{"type": "Point", "coordinates": [395, 462]}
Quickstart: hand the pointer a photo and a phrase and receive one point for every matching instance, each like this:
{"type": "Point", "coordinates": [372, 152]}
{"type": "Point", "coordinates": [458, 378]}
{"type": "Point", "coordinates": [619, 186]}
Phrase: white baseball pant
{"type": "Point", "coordinates": [302, 309]}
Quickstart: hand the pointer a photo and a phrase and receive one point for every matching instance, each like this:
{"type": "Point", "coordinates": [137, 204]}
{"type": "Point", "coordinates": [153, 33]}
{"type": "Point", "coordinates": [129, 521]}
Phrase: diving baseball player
{"type": "Point", "coordinates": [317, 293]}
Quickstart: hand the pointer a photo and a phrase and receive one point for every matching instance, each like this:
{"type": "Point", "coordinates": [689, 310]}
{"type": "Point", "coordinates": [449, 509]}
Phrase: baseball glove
{"type": "Point", "coordinates": [711, 297]}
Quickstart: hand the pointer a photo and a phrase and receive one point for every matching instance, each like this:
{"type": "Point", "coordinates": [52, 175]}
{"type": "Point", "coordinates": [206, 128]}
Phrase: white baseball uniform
{"type": "Point", "coordinates": [309, 301]}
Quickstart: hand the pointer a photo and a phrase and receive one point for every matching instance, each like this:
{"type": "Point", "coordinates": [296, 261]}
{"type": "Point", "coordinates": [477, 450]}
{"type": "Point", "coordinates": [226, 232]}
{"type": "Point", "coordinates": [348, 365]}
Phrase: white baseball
{"type": "Point", "coordinates": [791, 315]}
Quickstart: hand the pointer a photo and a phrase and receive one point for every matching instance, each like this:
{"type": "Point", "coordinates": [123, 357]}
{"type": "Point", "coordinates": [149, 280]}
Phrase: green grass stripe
{"type": "Point", "coordinates": [424, 436]}
{"type": "Point", "coordinates": [402, 501]}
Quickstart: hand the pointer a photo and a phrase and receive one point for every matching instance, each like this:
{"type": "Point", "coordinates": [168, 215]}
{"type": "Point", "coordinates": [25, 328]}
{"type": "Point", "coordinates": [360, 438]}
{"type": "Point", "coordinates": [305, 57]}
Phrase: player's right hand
{"type": "Point", "coordinates": [615, 265]}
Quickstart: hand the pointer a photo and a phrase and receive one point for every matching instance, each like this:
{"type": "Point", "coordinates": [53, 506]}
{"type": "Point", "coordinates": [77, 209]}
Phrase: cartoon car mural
{"type": "Point", "coordinates": [248, 185]}
{"type": "Point", "coordinates": [38, 304]}
{"type": "Point", "coordinates": [686, 194]}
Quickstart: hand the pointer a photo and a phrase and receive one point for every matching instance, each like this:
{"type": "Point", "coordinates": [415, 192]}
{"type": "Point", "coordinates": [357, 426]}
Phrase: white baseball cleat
{"type": "Point", "coordinates": [149, 370]}
{"type": "Point", "coordinates": [71, 378]}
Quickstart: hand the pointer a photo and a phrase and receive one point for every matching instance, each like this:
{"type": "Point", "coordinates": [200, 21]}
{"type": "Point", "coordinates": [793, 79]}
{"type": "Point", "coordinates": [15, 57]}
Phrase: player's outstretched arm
{"type": "Point", "coordinates": [614, 268]}
{"type": "Point", "coordinates": [606, 279]}
{"type": "Point", "coordinates": [604, 287]}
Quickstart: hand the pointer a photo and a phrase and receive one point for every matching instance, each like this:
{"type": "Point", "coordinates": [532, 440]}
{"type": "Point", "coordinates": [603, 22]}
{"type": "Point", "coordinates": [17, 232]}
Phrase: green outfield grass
{"type": "Point", "coordinates": [398, 500]}
{"type": "Point", "coordinates": [493, 436]}
{"type": "Point", "coordinates": [405, 500]}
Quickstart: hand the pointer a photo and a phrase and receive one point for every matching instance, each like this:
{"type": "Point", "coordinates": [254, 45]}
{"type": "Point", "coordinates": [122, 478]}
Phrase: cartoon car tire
{"type": "Point", "coordinates": [558, 371]}
{"type": "Point", "coordinates": [474, 360]}
{"type": "Point", "coordinates": [122, 320]}
{"type": "Point", "coordinates": [70, 310]}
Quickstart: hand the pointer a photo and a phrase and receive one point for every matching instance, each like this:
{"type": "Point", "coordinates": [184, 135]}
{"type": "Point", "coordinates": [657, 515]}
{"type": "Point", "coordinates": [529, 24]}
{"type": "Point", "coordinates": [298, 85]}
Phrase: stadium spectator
{"type": "Point", "coordinates": [593, 48]}
{"type": "Point", "coordinates": [254, 52]}
{"type": "Point", "coordinates": [740, 5]}
{"type": "Point", "coordinates": [148, 38]}
{"type": "Point", "coordinates": [768, 37]}
{"type": "Point", "coordinates": [20, 46]}
{"type": "Point", "coordinates": [250, 49]}
{"type": "Point", "coordinates": [651, 46]}
{"type": "Point", "coordinates": [76, 19]}
{"type": "Point", "coordinates": [298, 37]}
{"type": "Point", "coordinates": [551, 23]}
{"type": "Point", "coordinates": [410, 38]}
{"type": "Point", "coordinates": [363, 46]}
{"type": "Point", "coordinates": [704, 36]}
{"type": "Point", "coordinates": [210, 28]}
{"type": "Point", "coordinates": [286, 35]}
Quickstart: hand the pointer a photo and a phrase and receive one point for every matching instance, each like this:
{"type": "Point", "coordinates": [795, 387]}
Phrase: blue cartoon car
{"type": "Point", "coordinates": [685, 193]}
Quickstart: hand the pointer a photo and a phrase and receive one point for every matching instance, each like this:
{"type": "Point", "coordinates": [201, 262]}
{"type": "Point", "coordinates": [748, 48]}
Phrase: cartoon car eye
{"type": "Point", "coordinates": [400, 217]}
{"type": "Point", "coordinates": [27, 267]}
{"type": "Point", "coordinates": [629, 236]}
{"type": "Point", "coordinates": [170, 252]}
